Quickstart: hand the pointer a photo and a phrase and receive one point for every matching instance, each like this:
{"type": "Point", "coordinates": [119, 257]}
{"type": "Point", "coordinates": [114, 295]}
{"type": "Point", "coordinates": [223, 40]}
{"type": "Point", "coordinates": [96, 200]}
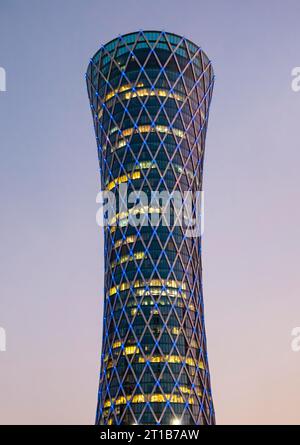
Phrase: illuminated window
{"type": "Point", "coordinates": [117, 344]}
{"type": "Point", "coordinates": [171, 359]}
{"type": "Point", "coordinates": [150, 129]}
{"type": "Point", "coordinates": [201, 365]}
{"type": "Point", "coordinates": [140, 283]}
{"type": "Point", "coordinates": [120, 90]}
{"type": "Point", "coordinates": [123, 216]}
{"type": "Point", "coordinates": [147, 164]}
{"type": "Point", "coordinates": [175, 330]}
{"type": "Point", "coordinates": [127, 258]}
{"type": "Point", "coordinates": [194, 344]}
{"type": "Point", "coordinates": [131, 175]}
{"type": "Point", "coordinates": [113, 130]}
{"type": "Point", "coordinates": [109, 364]}
{"type": "Point", "coordinates": [163, 292]}
{"type": "Point", "coordinates": [148, 92]}
{"type": "Point", "coordinates": [130, 350]}
{"type": "Point", "coordinates": [129, 240]}
{"type": "Point", "coordinates": [183, 170]}
{"type": "Point", "coordinates": [154, 398]}
{"type": "Point", "coordinates": [122, 179]}
{"type": "Point", "coordinates": [121, 401]}
{"type": "Point", "coordinates": [143, 92]}
{"type": "Point", "coordinates": [139, 398]}
{"type": "Point", "coordinates": [185, 390]}
{"type": "Point", "coordinates": [112, 229]}
{"type": "Point", "coordinates": [135, 173]}
{"type": "Point", "coordinates": [147, 129]}
{"type": "Point", "coordinates": [157, 398]}
{"type": "Point", "coordinates": [190, 361]}
{"type": "Point", "coordinates": [175, 398]}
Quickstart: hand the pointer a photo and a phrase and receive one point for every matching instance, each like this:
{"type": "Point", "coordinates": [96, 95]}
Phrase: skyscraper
{"type": "Point", "coordinates": [150, 94]}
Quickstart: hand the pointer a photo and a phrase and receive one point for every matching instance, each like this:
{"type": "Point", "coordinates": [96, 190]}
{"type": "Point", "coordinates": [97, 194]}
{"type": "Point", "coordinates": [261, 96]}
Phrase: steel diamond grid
{"type": "Point", "coordinates": [170, 83]}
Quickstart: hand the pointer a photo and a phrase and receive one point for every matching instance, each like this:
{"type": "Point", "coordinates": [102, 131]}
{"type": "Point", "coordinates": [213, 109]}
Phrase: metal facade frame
{"type": "Point", "coordinates": [150, 94]}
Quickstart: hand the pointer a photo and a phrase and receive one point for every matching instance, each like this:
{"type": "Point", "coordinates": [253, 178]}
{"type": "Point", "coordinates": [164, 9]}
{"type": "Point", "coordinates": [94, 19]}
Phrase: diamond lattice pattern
{"type": "Point", "coordinates": [150, 94]}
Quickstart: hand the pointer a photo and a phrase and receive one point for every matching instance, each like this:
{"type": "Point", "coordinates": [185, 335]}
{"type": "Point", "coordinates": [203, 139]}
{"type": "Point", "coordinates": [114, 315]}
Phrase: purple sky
{"type": "Point", "coordinates": [51, 248]}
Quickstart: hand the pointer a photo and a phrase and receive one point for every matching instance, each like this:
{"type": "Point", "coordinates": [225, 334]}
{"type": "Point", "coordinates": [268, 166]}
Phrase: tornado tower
{"type": "Point", "coordinates": [150, 93]}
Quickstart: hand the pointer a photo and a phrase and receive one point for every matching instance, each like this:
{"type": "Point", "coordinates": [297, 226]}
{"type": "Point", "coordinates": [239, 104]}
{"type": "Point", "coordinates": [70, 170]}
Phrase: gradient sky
{"type": "Point", "coordinates": [51, 287]}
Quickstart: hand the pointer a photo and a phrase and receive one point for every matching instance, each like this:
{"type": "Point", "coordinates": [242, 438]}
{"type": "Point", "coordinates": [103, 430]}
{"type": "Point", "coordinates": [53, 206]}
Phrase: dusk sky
{"type": "Point", "coordinates": [51, 287]}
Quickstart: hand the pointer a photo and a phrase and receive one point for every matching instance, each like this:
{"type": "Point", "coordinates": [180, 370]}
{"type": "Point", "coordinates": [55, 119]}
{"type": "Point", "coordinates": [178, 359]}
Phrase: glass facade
{"type": "Point", "coordinates": [150, 94]}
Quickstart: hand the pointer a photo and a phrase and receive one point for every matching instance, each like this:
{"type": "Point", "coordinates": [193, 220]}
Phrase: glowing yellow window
{"type": "Point", "coordinates": [201, 365]}
{"type": "Point", "coordinates": [185, 389]}
{"type": "Point", "coordinates": [130, 350]}
{"type": "Point", "coordinates": [157, 359]}
{"type": "Point", "coordinates": [136, 175]}
{"type": "Point", "coordinates": [129, 240]}
{"type": "Point", "coordinates": [157, 398]}
{"type": "Point", "coordinates": [175, 359]}
{"type": "Point", "coordinates": [122, 179]}
{"type": "Point", "coordinates": [121, 144]}
{"type": "Point", "coordinates": [149, 92]}
{"type": "Point", "coordinates": [139, 255]}
{"type": "Point", "coordinates": [190, 361]}
{"type": "Point", "coordinates": [117, 344]}
{"type": "Point", "coordinates": [139, 398]}
{"type": "Point", "coordinates": [113, 290]}
{"type": "Point", "coordinates": [127, 132]}
{"type": "Point", "coordinates": [175, 398]}
{"type": "Point", "coordinates": [121, 401]}
{"type": "Point", "coordinates": [136, 256]}
{"type": "Point", "coordinates": [155, 282]}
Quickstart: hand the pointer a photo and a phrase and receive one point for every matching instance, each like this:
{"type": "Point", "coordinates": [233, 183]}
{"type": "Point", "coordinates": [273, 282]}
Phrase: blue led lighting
{"type": "Point", "coordinates": [129, 315]}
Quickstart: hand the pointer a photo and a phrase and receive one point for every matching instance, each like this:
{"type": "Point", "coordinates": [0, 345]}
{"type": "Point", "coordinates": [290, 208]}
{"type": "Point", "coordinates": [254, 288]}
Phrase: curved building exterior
{"type": "Point", "coordinates": [150, 94]}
